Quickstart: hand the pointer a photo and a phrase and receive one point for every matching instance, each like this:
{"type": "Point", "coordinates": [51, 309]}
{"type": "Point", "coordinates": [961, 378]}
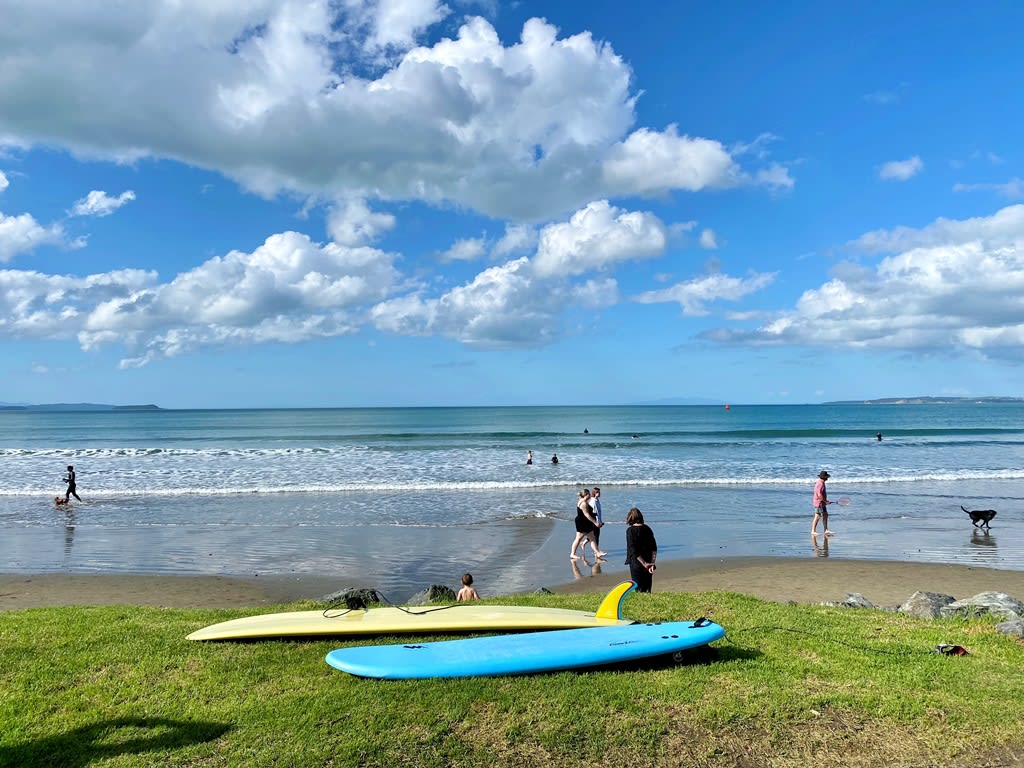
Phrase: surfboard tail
{"type": "Point", "coordinates": [611, 606]}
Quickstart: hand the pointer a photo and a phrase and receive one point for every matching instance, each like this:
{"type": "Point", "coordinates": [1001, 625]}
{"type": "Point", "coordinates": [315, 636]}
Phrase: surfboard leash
{"type": "Point", "coordinates": [854, 646]}
{"type": "Point", "coordinates": [356, 602]}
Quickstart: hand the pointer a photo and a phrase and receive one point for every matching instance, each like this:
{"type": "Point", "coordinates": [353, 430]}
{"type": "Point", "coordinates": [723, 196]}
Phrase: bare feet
{"type": "Point", "coordinates": [574, 557]}
{"type": "Point", "coordinates": [829, 533]}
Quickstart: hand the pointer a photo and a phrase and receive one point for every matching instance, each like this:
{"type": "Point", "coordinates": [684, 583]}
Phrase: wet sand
{"type": "Point", "coordinates": [883, 582]}
{"type": "Point", "coordinates": [800, 580]}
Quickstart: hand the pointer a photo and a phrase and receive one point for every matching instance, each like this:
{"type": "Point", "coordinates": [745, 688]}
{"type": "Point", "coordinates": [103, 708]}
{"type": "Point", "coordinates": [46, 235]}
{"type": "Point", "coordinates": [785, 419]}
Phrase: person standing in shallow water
{"type": "Point", "coordinates": [641, 550]}
{"type": "Point", "coordinates": [820, 502]}
{"type": "Point", "coordinates": [529, 457]}
{"type": "Point", "coordinates": [70, 480]}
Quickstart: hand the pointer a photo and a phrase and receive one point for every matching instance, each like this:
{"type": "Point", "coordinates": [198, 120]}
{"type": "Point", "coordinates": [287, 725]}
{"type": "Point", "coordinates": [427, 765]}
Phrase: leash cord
{"type": "Point", "coordinates": [823, 637]}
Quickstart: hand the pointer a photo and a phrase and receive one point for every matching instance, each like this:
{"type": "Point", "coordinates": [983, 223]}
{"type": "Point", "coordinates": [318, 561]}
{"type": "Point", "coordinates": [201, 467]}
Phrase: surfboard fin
{"type": "Point", "coordinates": [611, 606]}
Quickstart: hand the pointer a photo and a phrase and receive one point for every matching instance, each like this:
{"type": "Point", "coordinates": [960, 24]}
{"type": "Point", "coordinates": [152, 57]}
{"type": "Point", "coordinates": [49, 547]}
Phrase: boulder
{"type": "Point", "coordinates": [435, 593]}
{"type": "Point", "coordinates": [852, 600]}
{"type": "Point", "coordinates": [997, 604]}
{"type": "Point", "coordinates": [1013, 628]}
{"type": "Point", "coordinates": [926, 605]}
{"type": "Point", "coordinates": [353, 597]}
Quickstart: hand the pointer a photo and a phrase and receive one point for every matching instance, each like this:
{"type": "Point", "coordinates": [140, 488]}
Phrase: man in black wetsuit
{"type": "Point", "coordinates": [70, 480]}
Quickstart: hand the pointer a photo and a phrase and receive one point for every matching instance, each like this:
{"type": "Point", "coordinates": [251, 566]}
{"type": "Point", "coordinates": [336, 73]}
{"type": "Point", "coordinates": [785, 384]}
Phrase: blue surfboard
{"type": "Point", "coordinates": [526, 653]}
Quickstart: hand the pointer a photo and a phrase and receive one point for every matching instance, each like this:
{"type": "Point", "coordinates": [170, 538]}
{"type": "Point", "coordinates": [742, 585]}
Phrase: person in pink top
{"type": "Point", "coordinates": [821, 502]}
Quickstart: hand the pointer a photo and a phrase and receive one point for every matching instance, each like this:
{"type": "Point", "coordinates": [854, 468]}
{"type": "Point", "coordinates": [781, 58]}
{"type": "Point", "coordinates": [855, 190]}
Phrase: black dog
{"type": "Point", "coordinates": [982, 516]}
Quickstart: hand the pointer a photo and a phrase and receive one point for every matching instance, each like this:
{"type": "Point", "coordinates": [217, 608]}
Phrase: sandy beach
{"type": "Point", "coordinates": [884, 583]}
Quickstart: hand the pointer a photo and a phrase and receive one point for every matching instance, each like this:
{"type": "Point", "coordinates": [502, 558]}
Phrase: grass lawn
{"type": "Point", "coordinates": [790, 686]}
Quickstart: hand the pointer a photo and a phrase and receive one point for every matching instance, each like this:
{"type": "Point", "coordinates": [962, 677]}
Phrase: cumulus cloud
{"type": "Point", "coordinates": [467, 249]}
{"type": "Point", "coordinates": [503, 307]}
{"type": "Point", "coordinates": [289, 289]}
{"type": "Point", "coordinates": [693, 296]}
{"type": "Point", "coordinates": [901, 170]}
{"type": "Point", "coordinates": [292, 95]}
{"type": "Point", "coordinates": [518, 238]}
{"type": "Point", "coordinates": [1003, 228]}
{"type": "Point", "coordinates": [521, 303]}
{"type": "Point", "coordinates": [651, 162]}
{"type": "Point", "coordinates": [397, 24]}
{"type": "Point", "coordinates": [99, 203]}
{"type": "Point", "coordinates": [953, 285]}
{"type": "Point", "coordinates": [4, 183]}
{"type": "Point", "coordinates": [708, 239]}
{"type": "Point", "coordinates": [597, 236]}
{"type": "Point", "coordinates": [351, 222]}
{"type": "Point", "coordinates": [22, 234]}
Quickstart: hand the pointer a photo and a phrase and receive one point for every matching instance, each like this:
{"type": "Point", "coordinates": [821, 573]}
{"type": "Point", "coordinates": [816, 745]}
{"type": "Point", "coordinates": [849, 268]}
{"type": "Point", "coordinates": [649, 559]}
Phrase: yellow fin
{"type": "Point", "coordinates": [611, 606]}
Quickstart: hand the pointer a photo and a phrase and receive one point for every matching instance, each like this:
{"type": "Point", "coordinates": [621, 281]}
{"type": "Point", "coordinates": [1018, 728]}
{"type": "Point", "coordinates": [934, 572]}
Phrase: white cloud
{"type": "Point", "coordinates": [293, 95]}
{"type": "Point", "coordinates": [99, 203]}
{"type": "Point", "coordinates": [398, 23]}
{"type": "Point", "coordinates": [775, 176]}
{"type": "Point", "coordinates": [1001, 229]}
{"type": "Point", "coordinates": [649, 162]}
{"type": "Point", "coordinates": [518, 238]}
{"type": "Point", "coordinates": [351, 222]}
{"type": "Point", "coordinates": [4, 183]}
{"type": "Point", "coordinates": [1012, 189]}
{"type": "Point", "coordinates": [468, 249]}
{"type": "Point", "coordinates": [521, 303]}
{"type": "Point", "coordinates": [597, 236]}
{"type": "Point", "coordinates": [21, 234]}
{"type": "Point", "coordinates": [901, 170]}
{"type": "Point", "coordinates": [503, 307]}
{"type": "Point", "coordinates": [288, 290]}
{"type": "Point", "coordinates": [694, 295]}
{"type": "Point", "coordinates": [708, 239]}
{"type": "Point", "coordinates": [950, 286]}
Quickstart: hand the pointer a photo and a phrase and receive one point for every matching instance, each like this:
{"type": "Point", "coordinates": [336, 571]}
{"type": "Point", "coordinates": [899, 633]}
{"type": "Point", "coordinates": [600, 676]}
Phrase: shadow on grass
{"type": "Point", "coordinates": [99, 741]}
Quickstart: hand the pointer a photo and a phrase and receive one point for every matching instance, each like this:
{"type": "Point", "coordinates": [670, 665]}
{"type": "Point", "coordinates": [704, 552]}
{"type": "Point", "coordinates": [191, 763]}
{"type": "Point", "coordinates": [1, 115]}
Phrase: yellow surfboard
{"type": "Point", "coordinates": [459, 617]}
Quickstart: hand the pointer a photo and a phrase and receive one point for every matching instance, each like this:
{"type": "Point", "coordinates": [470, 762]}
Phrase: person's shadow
{"type": "Point", "coordinates": [109, 739]}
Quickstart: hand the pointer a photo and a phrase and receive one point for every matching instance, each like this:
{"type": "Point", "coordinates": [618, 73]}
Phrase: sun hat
{"type": "Point", "coordinates": [824, 475]}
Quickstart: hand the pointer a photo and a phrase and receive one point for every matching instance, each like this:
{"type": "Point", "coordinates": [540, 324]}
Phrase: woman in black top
{"type": "Point", "coordinates": [641, 550]}
{"type": "Point", "coordinates": [584, 525]}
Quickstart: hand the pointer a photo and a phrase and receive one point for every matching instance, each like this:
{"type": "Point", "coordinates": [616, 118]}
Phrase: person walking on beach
{"type": "Point", "coordinates": [468, 591]}
{"type": "Point", "coordinates": [641, 550]}
{"type": "Point", "coordinates": [584, 526]}
{"type": "Point", "coordinates": [70, 480]}
{"type": "Point", "coordinates": [821, 502]}
{"type": "Point", "coordinates": [595, 510]}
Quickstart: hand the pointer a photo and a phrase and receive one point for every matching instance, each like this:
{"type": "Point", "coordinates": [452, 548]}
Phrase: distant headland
{"type": "Point", "coordinates": [926, 400]}
{"type": "Point", "coordinates": [77, 407]}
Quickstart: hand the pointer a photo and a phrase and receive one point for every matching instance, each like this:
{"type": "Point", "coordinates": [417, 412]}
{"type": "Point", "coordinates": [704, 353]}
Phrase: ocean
{"type": "Point", "coordinates": [400, 498]}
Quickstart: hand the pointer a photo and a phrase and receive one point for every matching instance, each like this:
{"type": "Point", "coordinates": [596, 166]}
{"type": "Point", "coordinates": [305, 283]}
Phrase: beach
{"type": "Point", "coordinates": [884, 583]}
{"type": "Point", "coordinates": [249, 508]}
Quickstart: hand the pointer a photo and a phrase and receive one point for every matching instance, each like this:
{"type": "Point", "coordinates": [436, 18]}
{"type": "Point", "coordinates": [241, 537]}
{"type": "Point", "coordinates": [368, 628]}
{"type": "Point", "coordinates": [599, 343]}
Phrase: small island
{"type": "Point", "coordinates": [77, 407]}
{"type": "Point", "coordinates": [927, 400]}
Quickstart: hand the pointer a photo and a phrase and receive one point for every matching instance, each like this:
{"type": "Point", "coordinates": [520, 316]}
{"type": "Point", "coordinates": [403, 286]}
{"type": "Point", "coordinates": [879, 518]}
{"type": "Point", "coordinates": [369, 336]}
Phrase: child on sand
{"type": "Point", "coordinates": [467, 592]}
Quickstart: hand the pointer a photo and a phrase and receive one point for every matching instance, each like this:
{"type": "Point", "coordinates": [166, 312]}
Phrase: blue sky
{"type": "Point", "coordinates": [409, 202]}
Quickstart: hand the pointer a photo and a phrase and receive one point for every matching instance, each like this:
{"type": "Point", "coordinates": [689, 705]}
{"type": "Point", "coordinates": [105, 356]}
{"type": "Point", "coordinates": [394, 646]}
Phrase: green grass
{"type": "Point", "coordinates": [792, 685]}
